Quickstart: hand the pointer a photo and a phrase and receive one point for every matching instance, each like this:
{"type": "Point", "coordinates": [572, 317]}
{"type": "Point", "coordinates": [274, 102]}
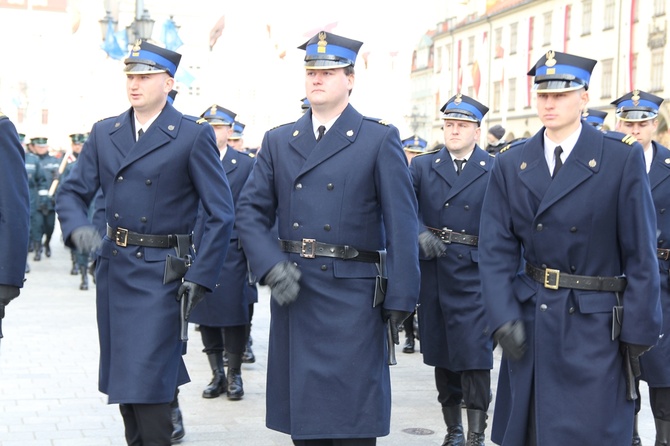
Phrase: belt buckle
{"type": "Point", "coordinates": [663, 254]}
{"type": "Point", "coordinates": [308, 248]}
{"type": "Point", "coordinates": [550, 274]}
{"type": "Point", "coordinates": [445, 235]}
{"type": "Point", "coordinates": [121, 237]}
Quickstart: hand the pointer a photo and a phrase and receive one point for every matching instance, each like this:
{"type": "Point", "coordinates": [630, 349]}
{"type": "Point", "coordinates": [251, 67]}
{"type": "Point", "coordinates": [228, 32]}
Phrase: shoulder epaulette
{"type": "Point", "coordinates": [514, 143]}
{"type": "Point", "coordinates": [429, 152]}
{"type": "Point", "coordinates": [282, 125]}
{"type": "Point", "coordinates": [620, 137]}
{"type": "Point", "coordinates": [629, 139]}
{"type": "Point", "coordinates": [377, 120]}
{"type": "Point", "coordinates": [201, 121]}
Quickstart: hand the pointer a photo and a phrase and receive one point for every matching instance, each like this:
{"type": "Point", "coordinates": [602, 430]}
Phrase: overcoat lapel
{"type": "Point", "coordinates": [475, 167]}
{"type": "Point", "coordinates": [660, 165]}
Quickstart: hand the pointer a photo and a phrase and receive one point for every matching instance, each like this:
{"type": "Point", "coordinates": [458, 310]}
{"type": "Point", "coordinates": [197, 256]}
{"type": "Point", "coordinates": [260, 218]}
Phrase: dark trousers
{"type": "Point", "coordinates": [41, 224]}
{"type": "Point", "coordinates": [471, 386]}
{"type": "Point", "coordinates": [215, 339]}
{"type": "Point", "coordinates": [659, 399]}
{"type": "Point", "coordinates": [337, 442]}
{"type": "Point", "coordinates": [147, 424]}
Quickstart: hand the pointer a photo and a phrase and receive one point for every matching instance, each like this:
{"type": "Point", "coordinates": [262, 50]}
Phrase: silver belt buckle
{"type": "Point", "coordinates": [308, 248]}
{"type": "Point", "coordinates": [121, 237]}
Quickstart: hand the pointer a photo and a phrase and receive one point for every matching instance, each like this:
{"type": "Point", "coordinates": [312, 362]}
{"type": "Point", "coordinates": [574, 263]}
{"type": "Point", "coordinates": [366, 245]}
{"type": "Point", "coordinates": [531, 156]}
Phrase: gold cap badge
{"type": "Point", "coordinates": [551, 54]}
{"type": "Point", "coordinates": [636, 97]}
{"type": "Point", "coordinates": [321, 46]}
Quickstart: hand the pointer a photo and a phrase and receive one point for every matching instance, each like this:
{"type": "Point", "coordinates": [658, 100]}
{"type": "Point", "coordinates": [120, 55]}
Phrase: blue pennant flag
{"type": "Point", "coordinates": [111, 44]}
{"type": "Point", "coordinates": [170, 36]}
{"type": "Point", "coordinates": [184, 77]}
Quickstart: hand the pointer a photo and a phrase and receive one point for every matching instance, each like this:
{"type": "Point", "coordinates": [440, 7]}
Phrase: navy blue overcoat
{"type": "Point", "coordinates": [327, 367]}
{"type": "Point", "coordinates": [152, 186]}
{"type": "Point", "coordinates": [595, 218]}
{"type": "Point", "coordinates": [454, 330]}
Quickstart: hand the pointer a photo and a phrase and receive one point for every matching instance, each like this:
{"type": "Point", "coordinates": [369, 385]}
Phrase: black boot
{"type": "Point", "coordinates": [662, 432]}
{"type": "Point", "coordinates": [409, 343]}
{"type": "Point", "coordinates": [218, 384]}
{"type": "Point", "coordinates": [178, 431]}
{"type": "Point", "coordinates": [75, 266]}
{"type": "Point", "coordinates": [637, 441]}
{"type": "Point", "coordinates": [476, 427]}
{"type": "Point", "coordinates": [248, 356]}
{"type": "Point", "coordinates": [454, 422]}
{"type": "Point", "coordinates": [47, 248]}
{"type": "Point", "coordinates": [235, 387]}
{"type": "Point", "coordinates": [84, 279]}
{"type": "Point", "coordinates": [37, 247]}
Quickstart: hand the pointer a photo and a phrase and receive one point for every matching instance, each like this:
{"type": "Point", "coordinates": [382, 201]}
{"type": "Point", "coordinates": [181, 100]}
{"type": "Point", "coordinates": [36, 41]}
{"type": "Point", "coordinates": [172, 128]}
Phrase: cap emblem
{"type": "Point", "coordinates": [137, 47]}
{"type": "Point", "coordinates": [212, 111]}
{"type": "Point", "coordinates": [636, 97]}
{"type": "Point", "coordinates": [321, 48]}
{"type": "Point", "coordinates": [551, 61]}
{"type": "Point", "coordinates": [458, 99]}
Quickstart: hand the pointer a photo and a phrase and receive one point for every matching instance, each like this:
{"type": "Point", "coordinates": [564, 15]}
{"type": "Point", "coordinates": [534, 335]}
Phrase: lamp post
{"type": "Point", "coordinates": [141, 27]}
{"type": "Point", "coordinates": [416, 120]}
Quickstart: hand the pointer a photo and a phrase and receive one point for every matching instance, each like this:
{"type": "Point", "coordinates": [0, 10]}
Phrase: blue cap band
{"type": "Point", "coordinates": [331, 50]}
{"type": "Point", "coordinates": [463, 106]}
{"type": "Point", "coordinates": [148, 55]}
{"type": "Point", "coordinates": [558, 70]}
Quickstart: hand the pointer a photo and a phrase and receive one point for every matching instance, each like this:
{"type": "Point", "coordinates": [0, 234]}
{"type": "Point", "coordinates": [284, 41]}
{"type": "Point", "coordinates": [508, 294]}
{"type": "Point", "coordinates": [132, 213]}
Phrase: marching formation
{"type": "Point", "coordinates": [555, 248]}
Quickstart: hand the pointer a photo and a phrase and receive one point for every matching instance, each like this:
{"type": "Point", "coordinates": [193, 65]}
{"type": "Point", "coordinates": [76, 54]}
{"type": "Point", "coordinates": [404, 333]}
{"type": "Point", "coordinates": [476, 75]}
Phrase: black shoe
{"type": "Point", "coordinates": [84, 281]}
{"type": "Point", "coordinates": [217, 386]}
{"type": "Point", "coordinates": [178, 431]}
{"type": "Point", "coordinates": [248, 356]}
{"type": "Point", "coordinates": [454, 436]}
{"type": "Point", "coordinates": [47, 250]}
{"type": "Point", "coordinates": [409, 345]}
{"type": "Point", "coordinates": [38, 252]}
{"type": "Point", "coordinates": [235, 387]}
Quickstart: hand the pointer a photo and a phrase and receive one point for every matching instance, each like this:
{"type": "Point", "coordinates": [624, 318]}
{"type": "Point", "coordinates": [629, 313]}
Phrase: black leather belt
{"type": "Point", "coordinates": [124, 237]}
{"type": "Point", "coordinates": [554, 279]}
{"type": "Point", "coordinates": [663, 254]}
{"type": "Point", "coordinates": [310, 248]}
{"type": "Point", "coordinates": [448, 236]}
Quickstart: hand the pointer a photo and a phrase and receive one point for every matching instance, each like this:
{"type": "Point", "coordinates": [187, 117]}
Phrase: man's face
{"type": "Point", "coordinates": [237, 144]}
{"type": "Point", "coordinates": [222, 133]}
{"type": "Point", "coordinates": [460, 137]}
{"type": "Point", "coordinates": [559, 111]}
{"type": "Point", "coordinates": [148, 92]}
{"type": "Point", "coordinates": [324, 87]}
{"type": "Point", "coordinates": [76, 147]}
{"type": "Point", "coordinates": [40, 149]}
{"type": "Point", "coordinates": [643, 131]}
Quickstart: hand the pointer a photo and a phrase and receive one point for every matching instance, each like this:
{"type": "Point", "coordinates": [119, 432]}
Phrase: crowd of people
{"type": "Point", "coordinates": [554, 248]}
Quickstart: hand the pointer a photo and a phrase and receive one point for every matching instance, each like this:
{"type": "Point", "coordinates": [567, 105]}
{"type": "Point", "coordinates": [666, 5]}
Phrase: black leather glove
{"type": "Point", "coordinates": [7, 294]}
{"type": "Point", "coordinates": [396, 318]}
{"type": "Point", "coordinates": [193, 293]}
{"type": "Point", "coordinates": [86, 239]}
{"type": "Point", "coordinates": [431, 245]}
{"type": "Point", "coordinates": [511, 336]}
{"type": "Point", "coordinates": [634, 352]}
{"type": "Point", "coordinates": [283, 280]}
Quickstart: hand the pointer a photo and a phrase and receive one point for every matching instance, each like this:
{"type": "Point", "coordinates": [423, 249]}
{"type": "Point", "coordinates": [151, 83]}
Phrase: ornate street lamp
{"type": "Point", "coordinates": [141, 28]}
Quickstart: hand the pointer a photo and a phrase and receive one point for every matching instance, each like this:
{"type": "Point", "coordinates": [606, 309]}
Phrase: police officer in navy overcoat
{"type": "Point", "coordinates": [637, 115]}
{"type": "Point", "coordinates": [337, 201]}
{"type": "Point", "coordinates": [155, 166]}
{"type": "Point", "coordinates": [579, 232]}
{"type": "Point", "coordinates": [14, 215]}
{"type": "Point", "coordinates": [224, 315]}
{"type": "Point", "coordinates": [450, 186]}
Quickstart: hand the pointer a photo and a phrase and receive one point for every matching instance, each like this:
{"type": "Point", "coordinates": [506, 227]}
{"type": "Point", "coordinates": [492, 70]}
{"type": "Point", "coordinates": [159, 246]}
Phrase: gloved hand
{"type": "Point", "coordinates": [396, 318]}
{"type": "Point", "coordinates": [193, 293]}
{"type": "Point", "coordinates": [86, 239]}
{"type": "Point", "coordinates": [511, 336]}
{"type": "Point", "coordinates": [431, 245]}
{"type": "Point", "coordinates": [7, 294]}
{"type": "Point", "coordinates": [634, 351]}
{"type": "Point", "coordinates": [283, 280]}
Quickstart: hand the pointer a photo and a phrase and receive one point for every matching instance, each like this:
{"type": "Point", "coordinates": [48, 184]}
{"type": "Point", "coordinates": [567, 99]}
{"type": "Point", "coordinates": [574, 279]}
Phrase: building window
{"type": "Point", "coordinates": [513, 37]}
{"type": "Point", "coordinates": [497, 89]}
{"type": "Point", "coordinates": [656, 69]}
{"type": "Point", "coordinates": [546, 37]}
{"type": "Point", "coordinates": [471, 50]}
{"type": "Point", "coordinates": [608, 17]}
{"type": "Point", "coordinates": [586, 17]}
{"type": "Point", "coordinates": [606, 80]}
{"type": "Point", "coordinates": [511, 94]}
{"type": "Point", "coordinates": [659, 7]}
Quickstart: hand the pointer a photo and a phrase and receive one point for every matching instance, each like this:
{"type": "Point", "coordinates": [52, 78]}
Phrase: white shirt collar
{"type": "Point", "coordinates": [146, 125]}
{"type": "Point", "coordinates": [316, 124]}
{"type": "Point", "coordinates": [567, 145]}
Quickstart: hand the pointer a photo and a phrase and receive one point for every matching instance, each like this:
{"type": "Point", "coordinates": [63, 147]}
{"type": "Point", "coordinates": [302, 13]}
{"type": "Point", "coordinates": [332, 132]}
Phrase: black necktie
{"type": "Point", "coordinates": [321, 130]}
{"type": "Point", "coordinates": [557, 153]}
{"type": "Point", "coordinates": [140, 132]}
{"type": "Point", "coordinates": [459, 166]}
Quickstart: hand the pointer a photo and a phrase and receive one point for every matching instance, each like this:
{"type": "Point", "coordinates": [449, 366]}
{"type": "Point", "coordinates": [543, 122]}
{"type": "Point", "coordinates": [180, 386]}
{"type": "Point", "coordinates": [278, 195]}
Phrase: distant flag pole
{"type": "Point", "coordinates": [216, 31]}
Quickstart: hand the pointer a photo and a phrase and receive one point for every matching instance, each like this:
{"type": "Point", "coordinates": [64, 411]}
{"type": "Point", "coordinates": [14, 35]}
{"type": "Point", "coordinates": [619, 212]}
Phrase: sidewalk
{"type": "Point", "coordinates": [49, 366]}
